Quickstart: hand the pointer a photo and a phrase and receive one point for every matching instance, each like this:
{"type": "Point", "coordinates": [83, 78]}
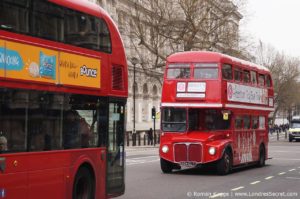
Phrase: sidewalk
{"type": "Point", "coordinates": [144, 147]}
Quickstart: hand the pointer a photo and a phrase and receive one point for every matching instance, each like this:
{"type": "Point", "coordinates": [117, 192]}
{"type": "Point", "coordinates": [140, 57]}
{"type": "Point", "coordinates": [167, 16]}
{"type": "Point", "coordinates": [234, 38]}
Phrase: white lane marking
{"type": "Point", "coordinates": [268, 178]}
{"type": "Point", "coordinates": [255, 182]}
{"type": "Point", "coordinates": [281, 173]}
{"type": "Point", "coordinates": [292, 169]}
{"type": "Point", "coordinates": [237, 188]}
{"type": "Point", "coordinates": [216, 195]}
{"type": "Point", "coordinates": [293, 178]}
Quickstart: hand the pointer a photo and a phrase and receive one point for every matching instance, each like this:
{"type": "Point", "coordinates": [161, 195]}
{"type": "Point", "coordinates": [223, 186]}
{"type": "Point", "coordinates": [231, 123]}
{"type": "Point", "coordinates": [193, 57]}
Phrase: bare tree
{"type": "Point", "coordinates": [162, 27]}
{"type": "Point", "coordinates": [285, 73]}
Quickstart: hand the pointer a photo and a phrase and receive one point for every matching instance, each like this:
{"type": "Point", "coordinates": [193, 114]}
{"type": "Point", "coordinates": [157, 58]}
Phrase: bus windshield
{"type": "Point", "coordinates": [295, 125]}
{"type": "Point", "coordinates": [174, 119]}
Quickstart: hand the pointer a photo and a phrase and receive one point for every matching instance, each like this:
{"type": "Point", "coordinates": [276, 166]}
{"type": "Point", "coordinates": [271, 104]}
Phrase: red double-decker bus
{"type": "Point", "coordinates": [214, 111]}
{"type": "Point", "coordinates": [63, 89]}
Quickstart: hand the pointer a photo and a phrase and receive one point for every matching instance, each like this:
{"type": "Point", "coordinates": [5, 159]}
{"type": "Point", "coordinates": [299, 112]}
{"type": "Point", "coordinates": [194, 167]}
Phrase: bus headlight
{"type": "Point", "coordinates": [165, 149]}
{"type": "Point", "coordinates": [212, 150]}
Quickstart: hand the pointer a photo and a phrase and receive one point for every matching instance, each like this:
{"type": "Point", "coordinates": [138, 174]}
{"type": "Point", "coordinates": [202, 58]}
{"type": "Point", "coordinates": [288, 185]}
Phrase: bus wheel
{"type": "Point", "coordinates": [224, 164]}
{"type": "Point", "coordinates": [84, 185]}
{"type": "Point", "coordinates": [166, 166]}
{"type": "Point", "coordinates": [262, 157]}
{"type": "Point", "coordinates": [290, 139]}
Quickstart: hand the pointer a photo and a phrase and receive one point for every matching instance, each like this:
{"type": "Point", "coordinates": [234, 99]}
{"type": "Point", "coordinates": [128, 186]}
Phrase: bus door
{"type": "Point", "coordinates": [115, 150]}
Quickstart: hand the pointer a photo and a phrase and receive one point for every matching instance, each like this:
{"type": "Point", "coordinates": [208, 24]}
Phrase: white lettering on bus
{"type": "Point", "coordinates": [9, 60]}
{"type": "Point", "coordinates": [89, 72]}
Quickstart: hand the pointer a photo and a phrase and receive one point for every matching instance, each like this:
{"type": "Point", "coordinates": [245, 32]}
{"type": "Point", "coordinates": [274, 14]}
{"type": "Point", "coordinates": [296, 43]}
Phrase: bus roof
{"type": "Point", "coordinates": [207, 56]}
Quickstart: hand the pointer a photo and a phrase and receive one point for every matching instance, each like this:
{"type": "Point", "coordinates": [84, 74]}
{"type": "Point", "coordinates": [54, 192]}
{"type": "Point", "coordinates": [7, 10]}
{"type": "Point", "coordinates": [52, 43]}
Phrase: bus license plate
{"type": "Point", "coordinates": [188, 164]}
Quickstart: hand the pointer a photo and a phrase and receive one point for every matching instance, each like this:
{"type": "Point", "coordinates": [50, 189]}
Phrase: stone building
{"type": "Point", "coordinates": [148, 81]}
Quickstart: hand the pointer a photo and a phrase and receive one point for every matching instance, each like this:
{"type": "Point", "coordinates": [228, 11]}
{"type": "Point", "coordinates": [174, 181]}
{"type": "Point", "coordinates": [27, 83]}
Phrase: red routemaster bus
{"type": "Point", "coordinates": [214, 110]}
{"type": "Point", "coordinates": [63, 89]}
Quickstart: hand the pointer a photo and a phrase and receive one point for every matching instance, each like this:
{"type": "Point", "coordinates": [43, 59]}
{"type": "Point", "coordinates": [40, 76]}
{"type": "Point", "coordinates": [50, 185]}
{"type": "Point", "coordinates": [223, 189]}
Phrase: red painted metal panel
{"type": "Point", "coordinates": [180, 152]}
{"type": "Point", "coordinates": [195, 152]}
{"type": "Point", "coordinates": [50, 174]}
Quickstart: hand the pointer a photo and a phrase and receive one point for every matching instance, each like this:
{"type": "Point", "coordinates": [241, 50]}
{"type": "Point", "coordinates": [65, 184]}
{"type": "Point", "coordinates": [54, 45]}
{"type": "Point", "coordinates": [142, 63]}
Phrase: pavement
{"type": "Point", "coordinates": [280, 178]}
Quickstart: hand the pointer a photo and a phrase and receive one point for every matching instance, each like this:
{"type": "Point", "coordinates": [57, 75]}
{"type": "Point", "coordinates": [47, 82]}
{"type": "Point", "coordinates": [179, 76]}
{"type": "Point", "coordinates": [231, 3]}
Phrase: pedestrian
{"type": "Point", "coordinates": [150, 136]}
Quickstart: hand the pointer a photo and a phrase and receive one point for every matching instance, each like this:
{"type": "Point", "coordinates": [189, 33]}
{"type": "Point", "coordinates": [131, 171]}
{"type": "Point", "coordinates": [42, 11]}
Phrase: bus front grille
{"type": "Point", "coordinates": [188, 152]}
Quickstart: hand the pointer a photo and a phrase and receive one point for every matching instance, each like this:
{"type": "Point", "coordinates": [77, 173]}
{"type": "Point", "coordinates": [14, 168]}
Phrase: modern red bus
{"type": "Point", "coordinates": [214, 111]}
{"type": "Point", "coordinates": [63, 90]}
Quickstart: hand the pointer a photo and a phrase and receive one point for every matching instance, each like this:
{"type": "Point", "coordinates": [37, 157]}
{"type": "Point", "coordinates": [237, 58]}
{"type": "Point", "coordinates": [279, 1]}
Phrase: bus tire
{"type": "Point", "coordinates": [290, 139]}
{"type": "Point", "coordinates": [262, 156]}
{"type": "Point", "coordinates": [224, 165]}
{"type": "Point", "coordinates": [166, 166]}
{"type": "Point", "coordinates": [84, 184]}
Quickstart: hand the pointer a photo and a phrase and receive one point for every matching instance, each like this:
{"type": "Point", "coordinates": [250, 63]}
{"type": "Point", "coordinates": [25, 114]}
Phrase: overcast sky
{"type": "Point", "coordinates": [276, 22]}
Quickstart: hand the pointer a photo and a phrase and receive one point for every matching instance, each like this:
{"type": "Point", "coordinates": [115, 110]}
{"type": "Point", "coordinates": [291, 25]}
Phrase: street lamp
{"type": "Point", "coordinates": [134, 61]}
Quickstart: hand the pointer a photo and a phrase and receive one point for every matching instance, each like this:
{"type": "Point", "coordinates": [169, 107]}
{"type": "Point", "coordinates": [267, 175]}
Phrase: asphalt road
{"type": "Point", "coordinates": [280, 178]}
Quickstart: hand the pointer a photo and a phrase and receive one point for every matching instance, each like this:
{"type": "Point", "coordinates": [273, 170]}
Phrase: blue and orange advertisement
{"type": "Point", "coordinates": [27, 62]}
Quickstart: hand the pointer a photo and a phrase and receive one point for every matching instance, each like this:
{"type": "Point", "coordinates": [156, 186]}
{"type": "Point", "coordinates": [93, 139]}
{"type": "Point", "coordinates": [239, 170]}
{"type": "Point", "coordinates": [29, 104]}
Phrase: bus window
{"type": "Point", "coordinates": [268, 81]}
{"type": "Point", "coordinates": [46, 20]}
{"type": "Point", "coordinates": [206, 71]}
{"type": "Point", "coordinates": [246, 76]}
{"type": "Point", "coordinates": [193, 119]}
{"type": "Point", "coordinates": [238, 122]}
{"type": "Point", "coordinates": [254, 122]}
{"type": "Point", "coordinates": [238, 75]}
{"type": "Point", "coordinates": [227, 71]}
{"type": "Point", "coordinates": [178, 71]}
{"type": "Point", "coordinates": [13, 116]}
{"type": "Point", "coordinates": [86, 31]}
{"type": "Point", "coordinates": [14, 16]}
{"type": "Point", "coordinates": [174, 119]}
{"type": "Point", "coordinates": [253, 77]}
{"type": "Point", "coordinates": [261, 80]}
{"type": "Point", "coordinates": [246, 120]}
{"type": "Point", "coordinates": [47, 24]}
{"type": "Point", "coordinates": [213, 120]}
{"type": "Point", "coordinates": [262, 122]}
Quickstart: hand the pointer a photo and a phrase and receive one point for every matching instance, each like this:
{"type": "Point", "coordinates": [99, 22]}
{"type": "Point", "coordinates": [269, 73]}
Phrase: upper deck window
{"type": "Point", "coordinates": [246, 76]}
{"type": "Point", "coordinates": [14, 16]}
{"type": "Point", "coordinates": [253, 77]}
{"type": "Point", "coordinates": [238, 75]}
{"type": "Point", "coordinates": [268, 81]}
{"type": "Point", "coordinates": [47, 20]}
{"type": "Point", "coordinates": [178, 71]}
{"type": "Point", "coordinates": [261, 80]}
{"type": "Point", "coordinates": [227, 71]}
{"type": "Point", "coordinates": [206, 71]}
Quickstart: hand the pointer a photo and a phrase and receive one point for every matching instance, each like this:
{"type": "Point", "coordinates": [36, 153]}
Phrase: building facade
{"type": "Point", "coordinates": [149, 79]}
